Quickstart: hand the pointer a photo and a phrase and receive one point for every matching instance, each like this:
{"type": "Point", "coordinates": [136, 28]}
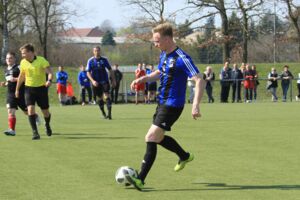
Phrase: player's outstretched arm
{"type": "Point", "coordinates": [199, 90]}
{"type": "Point", "coordinates": [154, 76]}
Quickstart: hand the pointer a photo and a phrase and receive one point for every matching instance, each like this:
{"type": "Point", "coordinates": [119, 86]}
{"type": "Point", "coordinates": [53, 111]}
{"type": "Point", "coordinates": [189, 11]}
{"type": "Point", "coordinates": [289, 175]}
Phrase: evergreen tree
{"type": "Point", "coordinates": [184, 29]}
{"type": "Point", "coordinates": [108, 39]}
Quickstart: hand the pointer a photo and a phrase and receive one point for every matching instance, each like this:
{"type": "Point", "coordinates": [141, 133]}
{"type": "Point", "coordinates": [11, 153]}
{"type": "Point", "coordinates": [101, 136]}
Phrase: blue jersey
{"type": "Point", "coordinates": [174, 69]}
{"type": "Point", "coordinates": [61, 77]}
{"type": "Point", "coordinates": [83, 79]}
{"type": "Point", "coordinates": [97, 68]}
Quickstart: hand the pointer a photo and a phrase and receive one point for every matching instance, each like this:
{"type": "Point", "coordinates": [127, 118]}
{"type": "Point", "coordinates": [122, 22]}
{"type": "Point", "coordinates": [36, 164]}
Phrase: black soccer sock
{"type": "Point", "coordinates": [101, 106]}
{"type": "Point", "coordinates": [108, 105]}
{"type": "Point", "coordinates": [171, 144]}
{"type": "Point", "coordinates": [47, 120]}
{"type": "Point", "coordinates": [148, 161]}
{"type": "Point", "coordinates": [32, 122]}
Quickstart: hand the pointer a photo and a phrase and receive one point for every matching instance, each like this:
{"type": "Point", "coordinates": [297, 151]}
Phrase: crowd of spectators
{"type": "Point", "coordinates": [241, 80]}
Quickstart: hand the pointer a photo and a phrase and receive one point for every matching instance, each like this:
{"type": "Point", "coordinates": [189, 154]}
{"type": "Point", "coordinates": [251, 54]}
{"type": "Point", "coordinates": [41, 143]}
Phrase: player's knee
{"type": "Point", "coordinates": [154, 137]}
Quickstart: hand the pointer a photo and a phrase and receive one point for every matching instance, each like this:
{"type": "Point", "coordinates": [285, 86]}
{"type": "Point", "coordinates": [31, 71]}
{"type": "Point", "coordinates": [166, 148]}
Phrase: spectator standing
{"type": "Point", "coordinates": [255, 81]}
{"type": "Point", "coordinates": [209, 77]}
{"type": "Point", "coordinates": [298, 86]}
{"type": "Point", "coordinates": [191, 86]}
{"type": "Point", "coordinates": [248, 84]}
{"type": "Point", "coordinates": [152, 86]}
{"type": "Point", "coordinates": [225, 76]}
{"type": "Point", "coordinates": [61, 85]}
{"type": "Point", "coordinates": [115, 90]}
{"type": "Point", "coordinates": [285, 77]}
{"type": "Point", "coordinates": [272, 83]}
{"type": "Point", "coordinates": [32, 71]}
{"type": "Point", "coordinates": [85, 85]}
{"type": "Point", "coordinates": [236, 76]}
{"type": "Point", "coordinates": [96, 71]}
{"type": "Point", "coordinates": [140, 87]}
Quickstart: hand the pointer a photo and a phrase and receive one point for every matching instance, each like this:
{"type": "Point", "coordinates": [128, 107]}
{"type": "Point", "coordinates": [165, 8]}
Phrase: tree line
{"type": "Point", "coordinates": [248, 32]}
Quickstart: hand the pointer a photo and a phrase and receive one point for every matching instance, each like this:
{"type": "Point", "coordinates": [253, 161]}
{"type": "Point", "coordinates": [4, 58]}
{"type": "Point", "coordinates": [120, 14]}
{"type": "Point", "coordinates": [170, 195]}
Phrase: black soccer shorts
{"type": "Point", "coordinates": [166, 116]}
{"type": "Point", "coordinates": [37, 95]}
{"type": "Point", "coordinates": [100, 89]}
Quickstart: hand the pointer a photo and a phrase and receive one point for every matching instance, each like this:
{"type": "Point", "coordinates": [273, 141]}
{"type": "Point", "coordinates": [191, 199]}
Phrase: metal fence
{"type": "Point", "coordinates": [126, 95]}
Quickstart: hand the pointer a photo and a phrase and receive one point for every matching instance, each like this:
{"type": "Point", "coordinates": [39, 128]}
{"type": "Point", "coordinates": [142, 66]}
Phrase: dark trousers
{"type": "Point", "coordinates": [114, 93]}
{"type": "Point", "coordinates": [225, 93]}
{"type": "Point", "coordinates": [298, 86]}
{"type": "Point", "coordinates": [285, 88]}
{"type": "Point", "coordinates": [209, 91]}
{"type": "Point", "coordinates": [248, 94]}
{"type": "Point", "coordinates": [236, 91]}
{"type": "Point", "coordinates": [83, 92]}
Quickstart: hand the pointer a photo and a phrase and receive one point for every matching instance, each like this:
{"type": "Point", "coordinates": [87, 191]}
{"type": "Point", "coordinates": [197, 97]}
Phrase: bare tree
{"type": "Point", "coordinates": [246, 8]}
{"type": "Point", "coordinates": [219, 6]}
{"type": "Point", "coordinates": [152, 12]}
{"type": "Point", "coordinates": [294, 15]}
{"type": "Point", "coordinates": [45, 16]}
{"type": "Point", "coordinates": [9, 15]}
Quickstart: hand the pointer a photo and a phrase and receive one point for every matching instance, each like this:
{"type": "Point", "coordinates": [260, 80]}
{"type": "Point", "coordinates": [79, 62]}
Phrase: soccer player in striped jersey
{"type": "Point", "coordinates": [175, 66]}
{"type": "Point", "coordinates": [96, 72]}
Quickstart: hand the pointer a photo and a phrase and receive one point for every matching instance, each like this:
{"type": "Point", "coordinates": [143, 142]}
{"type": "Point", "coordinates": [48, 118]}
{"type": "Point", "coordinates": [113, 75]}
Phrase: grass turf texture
{"type": "Point", "coordinates": [242, 151]}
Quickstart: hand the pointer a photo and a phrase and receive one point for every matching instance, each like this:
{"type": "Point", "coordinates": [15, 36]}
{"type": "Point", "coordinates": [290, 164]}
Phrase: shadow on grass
{"type": "Point", "coordinates": [224, 186]}
{"type": "Point", "coordinates": [88, 136]}
{"type": "Point", "coordinates": [79, 134]}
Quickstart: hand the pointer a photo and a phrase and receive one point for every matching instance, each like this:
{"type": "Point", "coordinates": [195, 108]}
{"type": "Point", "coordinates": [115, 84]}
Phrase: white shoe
{"type": "Point", "coordinates": [297, 98]}
{"type": "Point", "coordinates": [37, 120]}
{"type": "Point", "coordinates": [10, 132]}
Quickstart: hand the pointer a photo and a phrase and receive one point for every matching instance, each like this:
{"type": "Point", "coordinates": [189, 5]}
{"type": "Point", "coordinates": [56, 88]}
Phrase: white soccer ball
{"type": "Point", "coordinates": [120, 174]}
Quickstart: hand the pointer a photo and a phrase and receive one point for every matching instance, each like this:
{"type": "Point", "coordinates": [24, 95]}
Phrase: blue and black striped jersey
{"type": "Point", "coordinates": [175, 68]}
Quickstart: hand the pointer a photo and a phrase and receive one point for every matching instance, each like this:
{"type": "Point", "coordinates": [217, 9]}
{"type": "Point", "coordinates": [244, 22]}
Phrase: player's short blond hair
{"type": "Point", "coordinates": [165, 29]}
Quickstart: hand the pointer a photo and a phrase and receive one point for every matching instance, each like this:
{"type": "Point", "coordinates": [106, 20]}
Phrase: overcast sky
{"type": "Point", "coordinates": [96, 11]}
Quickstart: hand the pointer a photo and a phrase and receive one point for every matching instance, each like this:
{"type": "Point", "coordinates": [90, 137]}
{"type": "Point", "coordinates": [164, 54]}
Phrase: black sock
{"type": "Point", "coordinates": [108, 104]}
{"type": "Point", "coordinates": [101, 106]}
{"type": "Point", "coordinates": [32, 122]}
{"type": "Point", "coordinates": [171, 144]}
{"type": "Point", "coordinates": [47, 120]}
{"type": "Point", "coordinates": [148, 161]}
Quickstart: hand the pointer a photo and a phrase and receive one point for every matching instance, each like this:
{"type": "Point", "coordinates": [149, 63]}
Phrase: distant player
{"type": "Point", "coordinates": [175, 66]}
{"type": "Point", "coordinates": [12, 103]}
{"type": "Point", "coordinates": [33, 70]}
{"type": "Point", "coordinates": [96, 71]}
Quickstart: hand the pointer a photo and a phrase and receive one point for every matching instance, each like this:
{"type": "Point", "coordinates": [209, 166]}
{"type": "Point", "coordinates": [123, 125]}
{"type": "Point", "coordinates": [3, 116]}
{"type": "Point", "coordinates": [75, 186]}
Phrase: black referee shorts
{"type": "Point", "coordinates": [37, 95]}
{"type": "Point", "coordinates": [166, 116]}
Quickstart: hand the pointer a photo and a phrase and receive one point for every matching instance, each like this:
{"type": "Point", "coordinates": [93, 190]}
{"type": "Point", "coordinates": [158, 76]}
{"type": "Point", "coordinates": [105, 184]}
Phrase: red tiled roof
{"type": "Point", "coordinates": [82, 32]}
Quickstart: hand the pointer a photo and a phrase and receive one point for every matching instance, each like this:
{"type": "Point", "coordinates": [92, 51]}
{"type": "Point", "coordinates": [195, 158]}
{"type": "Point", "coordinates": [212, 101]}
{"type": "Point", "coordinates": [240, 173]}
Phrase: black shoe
{"type": "Point", "coordinates": [35, 136]}
{"type": "Point", "coordinates": [109, 117]}
{"type": "Point", "coordinates": [48, 131]}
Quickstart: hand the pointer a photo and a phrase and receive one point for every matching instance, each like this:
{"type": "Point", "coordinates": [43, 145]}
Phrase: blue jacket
{"type": "Point", "coordinates": [83, 80]}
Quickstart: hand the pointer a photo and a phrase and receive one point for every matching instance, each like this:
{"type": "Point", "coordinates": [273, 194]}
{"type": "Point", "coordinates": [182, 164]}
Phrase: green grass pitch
{"type": "Point", "coordinates": [242, 151]}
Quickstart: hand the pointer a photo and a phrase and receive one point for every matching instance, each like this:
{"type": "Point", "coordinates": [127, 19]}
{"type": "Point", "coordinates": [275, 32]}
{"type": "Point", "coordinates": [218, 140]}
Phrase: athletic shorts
{"type": "Point", "coordinates": [100, 89]}
{"type": "Point", "coordinates": [37, 95]}
{"type": "Point", "coordinates": [13, 102]}
{"type": "Point", "coordinates": [166, 116]}
{"type": "Point", "coordinates": [152, 86]}
{"type": "Point", "coordinates": [61, 89]}
{"type": "Point", "coordinates": [140, 87]}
